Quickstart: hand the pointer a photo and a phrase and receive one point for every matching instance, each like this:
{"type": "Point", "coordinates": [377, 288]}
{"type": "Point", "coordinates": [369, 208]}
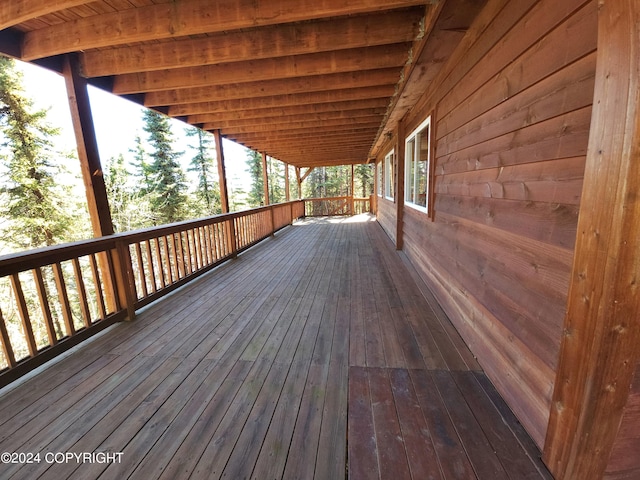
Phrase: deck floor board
{"type": "Point", "coordinates": [315, 354]}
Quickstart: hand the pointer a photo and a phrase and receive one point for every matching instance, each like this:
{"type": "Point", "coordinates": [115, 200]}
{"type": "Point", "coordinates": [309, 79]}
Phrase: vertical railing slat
{"type": "Point", "coordinates": [43, 298]}
{"type": "Point", "coordinates": [7, 348]}
{"type": "Point", "coordinates": [63, 298]}
{"type": "Point", "coordinates": [23, 312]}
{"type": "Point", "coordinates": [152, 272]}
{"type": "Point", "coordinates": [95, 273]}
{"type": "Point", "coordinates": [142, 277]}
{"type": "Point", "coordinates": [82, 292]}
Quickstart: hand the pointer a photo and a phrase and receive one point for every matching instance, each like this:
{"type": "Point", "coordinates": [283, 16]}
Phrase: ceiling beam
{"type": "Point", "coordinates": [268, 88]}
{"type": "Point", "coordinates": [353, 115]}
{"type": "Point", "coordinates": [268, 42]}
{"type": "Point", "coordinates": [14, 12]}
{"type": "Point", "coordinates": [180, 19]}
{"type": "Point", "coordinates": [294, 126]}
{"type": "Point", "coordinates": [282, 101]}
{"type": "Point", "coordinates": [373, 58]}
{"type": "Point", "coordinates": [305, 138]}
{"type": "Point", "coordinates": [303, 135]}
{"type": "Point", "coordinates": [303, 109]}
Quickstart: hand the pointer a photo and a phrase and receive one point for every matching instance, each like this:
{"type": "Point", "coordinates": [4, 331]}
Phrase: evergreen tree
{"type": "Point", "coordinates": [207, 191]}
{"type": "Point", "coordinates": [276, 179]}
{"type": "Point", "coordinates": [142, 167]}
{"type": "Point", "coordinates": [36, 205]}
{"type": "Point", "coordinates": [255, 196]}
{"type": "Point", "coordinates": [364, 179]}
{"type": "Point", "coordinates": [129, 208]}
{"type": "Point", "coordinates": [168, 196]}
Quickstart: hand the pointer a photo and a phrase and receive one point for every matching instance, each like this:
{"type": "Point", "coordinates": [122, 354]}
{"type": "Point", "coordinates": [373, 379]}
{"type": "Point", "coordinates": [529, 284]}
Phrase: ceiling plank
{"type": "Point", "coordinates": [179, 19]}
{"type": "Point", "coordinates": [15, 12]}
{"type": "Point", "coordinates": [268, 42]}
{"type": "Point", "coordinates": [325, 63]}
{"type": "Point", "coordinates": [351, 115]}
{"type": "Point", "coordinates": [293, 128]}
{"type": "Point", "coordinates": [302, 109]}
{"type": "Point", "coordinates": [286, 125]}
{"type": "Point", "coordinates": [303, 135]}
{"type": "Point", "coordinates": [317, 83]}
{"type": "Point", "coordinates": [283, 101]}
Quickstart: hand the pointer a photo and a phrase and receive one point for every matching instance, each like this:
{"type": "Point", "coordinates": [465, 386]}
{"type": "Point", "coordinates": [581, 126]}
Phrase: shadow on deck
{"type": "Point", "coordinates": [313, 355]}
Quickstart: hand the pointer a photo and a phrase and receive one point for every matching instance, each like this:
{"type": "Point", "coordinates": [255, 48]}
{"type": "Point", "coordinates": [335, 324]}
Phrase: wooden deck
{"type": "Point", "coordinates": [313, 355]}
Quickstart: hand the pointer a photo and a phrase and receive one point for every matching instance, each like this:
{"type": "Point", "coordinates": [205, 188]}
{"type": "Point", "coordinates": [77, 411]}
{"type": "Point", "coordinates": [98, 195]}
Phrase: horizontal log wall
{"type": "Point", "coordinates": [387, 216]}
{"type": "Point", "coordinates": [512, 115]}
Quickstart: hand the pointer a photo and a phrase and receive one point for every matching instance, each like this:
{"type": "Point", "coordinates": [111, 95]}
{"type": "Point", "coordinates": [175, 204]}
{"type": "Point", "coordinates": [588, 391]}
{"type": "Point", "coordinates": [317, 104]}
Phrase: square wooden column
{"type": "Point", "coordinates": [90, 165]}
{"type": "Point", "coordinates": [222, 176]}
{"type": "Point", "coordinates": [600, 347]}
{"type": "Point", "coordinates": [265, 178]}
{"type": "Point", "coordinates": [286, 182]}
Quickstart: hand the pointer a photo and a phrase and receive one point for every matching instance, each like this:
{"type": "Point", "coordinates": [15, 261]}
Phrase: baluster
{"type": "Point", "coordinates": [24, 314]}
{"type": "Point", "coordinates": [43, 298]}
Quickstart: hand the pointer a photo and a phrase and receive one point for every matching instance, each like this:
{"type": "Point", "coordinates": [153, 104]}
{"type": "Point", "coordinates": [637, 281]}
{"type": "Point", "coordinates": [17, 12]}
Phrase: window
{"type": "Point", "coordinates": [379, 178]}
{"type": "Point", "coordinates": [418, 168]}
{"type": "Point", "coordinates": [388, 175]}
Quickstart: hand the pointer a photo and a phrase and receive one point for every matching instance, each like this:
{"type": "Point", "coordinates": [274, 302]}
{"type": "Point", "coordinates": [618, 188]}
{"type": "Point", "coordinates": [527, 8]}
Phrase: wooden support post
{"type": "Point", "coordinates": [399, 184]}
{"type": "Point", "coordinates": [601, 338]}
{"type": "Point", "coordinates": [286, 183]}
{"type": "Point", "coordinates": [299, 182]}
{"type": "Point", "coordinates": [265, 178]}
{"type": "Point", "coordinates": [222, 176]}
{"type": "Point", "coordinates": [90, 166]}
{"type": "Point", "coordinates": [353, 211]}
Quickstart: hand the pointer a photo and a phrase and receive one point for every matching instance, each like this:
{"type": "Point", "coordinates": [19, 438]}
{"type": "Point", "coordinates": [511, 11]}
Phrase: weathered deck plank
{"type": "Point", "coordinates": [313, 355]}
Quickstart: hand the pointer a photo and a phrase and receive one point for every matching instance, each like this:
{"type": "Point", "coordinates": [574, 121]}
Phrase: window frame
{"type": "Point", "coordinates": [412, 150]}
{"type": "Point", "coordinates": [379, 178]}
{"type": "Point", "coordinates": [389, 174]}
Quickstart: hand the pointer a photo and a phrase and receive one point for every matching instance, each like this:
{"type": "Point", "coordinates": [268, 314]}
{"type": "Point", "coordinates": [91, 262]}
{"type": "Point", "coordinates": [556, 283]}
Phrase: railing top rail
{"type": "Point", "coordinates": [22, 261]}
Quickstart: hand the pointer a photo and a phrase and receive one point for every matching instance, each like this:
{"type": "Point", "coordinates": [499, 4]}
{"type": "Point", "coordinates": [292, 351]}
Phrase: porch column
{"type": "Point", "coordinates": [222, 175]}
{"type": "Point", "coordinates": [88, 155]}
{"type": "Point", "coordinates": [352, 192]}
{"type": "Point", "coordinates": [299, 182]}
{"type": "Point", "coordinates": [286, 182]}
{"type": "Point", "coordinates": [600, 348]}
{"type": "Point", "coordinates": [265, 178]}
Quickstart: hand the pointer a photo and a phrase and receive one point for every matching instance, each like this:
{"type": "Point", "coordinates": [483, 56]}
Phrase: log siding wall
{"type": "Point", "coordinates": [512, 114]}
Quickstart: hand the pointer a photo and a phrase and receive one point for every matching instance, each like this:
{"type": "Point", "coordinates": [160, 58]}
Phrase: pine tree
{"type": "Point", "coordinates": [129, 208]}
{"type": "Point", "coordinates": [35, 200]}
{"type": "Point", "coordinates": [168, 198]}
{"type": "Point", "coordinates": [208, 191]}
{"type": "Point", "coordinates": [276, 179]}
{"type": "Point", "coordinates": [142, 167]}
{"type": "Point", "coordinates": [364, 179]}
{"type": "Point", "coordinates": [255, 196]}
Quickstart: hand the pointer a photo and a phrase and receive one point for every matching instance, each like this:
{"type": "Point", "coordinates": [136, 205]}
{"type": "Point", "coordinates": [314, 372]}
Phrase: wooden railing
{"type": "Point", "coordinates": [53, 298]}
{"type": "Point", "coordinates": [347, 205]}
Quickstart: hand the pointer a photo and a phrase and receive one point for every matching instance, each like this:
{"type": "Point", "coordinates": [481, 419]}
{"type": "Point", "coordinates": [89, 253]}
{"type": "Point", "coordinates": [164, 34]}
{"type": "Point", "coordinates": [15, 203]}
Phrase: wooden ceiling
{"type": "Point", "coordinates": [309, 82]}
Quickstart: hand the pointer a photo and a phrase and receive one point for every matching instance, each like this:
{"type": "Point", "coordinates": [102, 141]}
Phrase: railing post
{"type": "Point", "coordinates": [231, 237]}
{"type": "Point", "coordinates": [125, 282]}
{"type": "Point", "coordinates": [273, 220]}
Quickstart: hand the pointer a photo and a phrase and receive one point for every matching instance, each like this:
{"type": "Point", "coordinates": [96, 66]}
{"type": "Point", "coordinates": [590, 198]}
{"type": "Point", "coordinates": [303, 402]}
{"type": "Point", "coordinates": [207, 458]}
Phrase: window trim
{"type": "Point", "coordinates": [379, 178]}
{"type": "Point", "coordinates": [389, 190]}
{"type": "Point", "coordinates": [410, 202]}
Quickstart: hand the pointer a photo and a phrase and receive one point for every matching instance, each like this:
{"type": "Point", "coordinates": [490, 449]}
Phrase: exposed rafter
{"type": "Point", "coordinates": [304, 81]}
{"type": "Point", "coordinates": [180, 19]}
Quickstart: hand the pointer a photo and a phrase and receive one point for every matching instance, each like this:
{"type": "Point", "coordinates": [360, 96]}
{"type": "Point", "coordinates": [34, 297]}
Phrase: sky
{"type": "Point", "coordinates": [117, 122]}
